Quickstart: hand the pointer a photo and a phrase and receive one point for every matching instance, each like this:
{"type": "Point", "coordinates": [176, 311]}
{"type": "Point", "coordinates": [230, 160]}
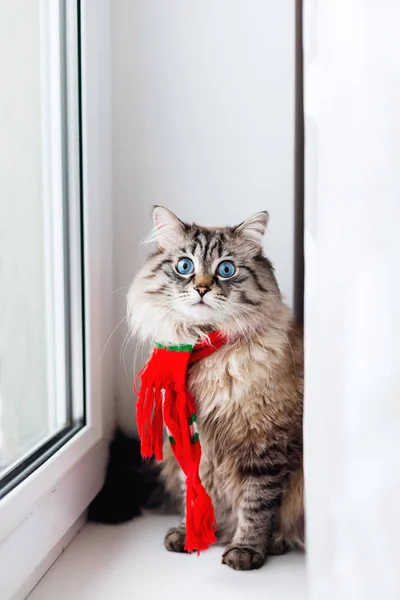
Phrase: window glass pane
{"type": "Point", "coordinates": [39, 206]}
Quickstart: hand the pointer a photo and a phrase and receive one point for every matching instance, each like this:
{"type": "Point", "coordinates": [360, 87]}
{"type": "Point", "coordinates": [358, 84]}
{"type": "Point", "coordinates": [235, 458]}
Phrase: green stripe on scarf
{"type": "Point", "coordinates": [181, 348]}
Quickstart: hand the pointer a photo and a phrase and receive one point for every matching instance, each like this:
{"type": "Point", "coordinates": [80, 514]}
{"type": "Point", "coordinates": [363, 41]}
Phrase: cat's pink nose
{"type": "Point", "coordinates": [202, 291]}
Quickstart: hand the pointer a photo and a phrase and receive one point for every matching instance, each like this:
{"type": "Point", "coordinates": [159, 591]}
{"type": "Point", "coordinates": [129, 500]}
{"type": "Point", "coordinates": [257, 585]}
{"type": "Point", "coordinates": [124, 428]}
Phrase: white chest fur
{"type": "Point", "coordinates": [227, 378]}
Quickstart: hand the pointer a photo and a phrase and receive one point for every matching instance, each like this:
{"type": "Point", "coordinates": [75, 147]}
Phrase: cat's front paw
{"type": "Point", "coordinates": [242, 558]}
{"type": "Point", "coordinates": [175, 540]}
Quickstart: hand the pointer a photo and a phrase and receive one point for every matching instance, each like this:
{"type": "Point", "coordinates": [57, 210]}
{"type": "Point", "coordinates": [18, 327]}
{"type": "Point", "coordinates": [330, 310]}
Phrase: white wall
{"type": "Point", "coordinates": [203, 122]}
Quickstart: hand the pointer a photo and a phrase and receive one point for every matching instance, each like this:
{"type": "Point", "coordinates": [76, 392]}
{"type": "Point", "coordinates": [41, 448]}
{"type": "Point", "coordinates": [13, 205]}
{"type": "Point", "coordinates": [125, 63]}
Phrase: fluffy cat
{"type": "Point", "coordinates": [249, 393]}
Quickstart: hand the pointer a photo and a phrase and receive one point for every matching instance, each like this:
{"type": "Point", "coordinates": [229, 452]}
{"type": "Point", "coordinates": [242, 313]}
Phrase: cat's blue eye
{"type": "Point", "coordinates": [185, 266]}
{"type": "Point", "coordinates": [226, 269]}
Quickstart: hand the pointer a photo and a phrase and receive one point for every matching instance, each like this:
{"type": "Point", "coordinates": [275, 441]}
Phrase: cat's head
{"type": "Point", "coordinates": [201, 279]}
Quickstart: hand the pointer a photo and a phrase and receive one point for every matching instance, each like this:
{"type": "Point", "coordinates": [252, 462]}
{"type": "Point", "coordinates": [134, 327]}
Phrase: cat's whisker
{"type": "Point", "coordinates": [139, 348]}
{"type": "Point", "coordinates": [126, 339]}
{"type": "Point", "coordinates": [110, 336]}
{"type": "Point", "coordinates": [124, 287]}
{"type": "Point", "coordinates": [252, 317]}
{"type": "Point", "coordinates": [232, 313]}
{"type": "Point", "coordinates": [130, 337]}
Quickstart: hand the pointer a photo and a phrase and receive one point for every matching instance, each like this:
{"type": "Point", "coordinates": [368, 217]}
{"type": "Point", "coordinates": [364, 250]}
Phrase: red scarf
{"type": "Point", "coordinates": [166, 372]}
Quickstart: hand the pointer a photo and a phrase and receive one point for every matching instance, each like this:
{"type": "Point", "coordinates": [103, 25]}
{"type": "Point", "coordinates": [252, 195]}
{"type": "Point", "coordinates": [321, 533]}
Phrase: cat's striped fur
{"type": "Point", "coordinates": [249, 393]}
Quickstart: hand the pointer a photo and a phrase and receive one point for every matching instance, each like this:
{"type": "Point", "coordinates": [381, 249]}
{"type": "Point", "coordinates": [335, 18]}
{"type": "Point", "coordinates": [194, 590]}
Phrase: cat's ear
{"type": "Point", "coordinates": [254, 228]}
{"type": "Point", "coordinates": [168, 227]}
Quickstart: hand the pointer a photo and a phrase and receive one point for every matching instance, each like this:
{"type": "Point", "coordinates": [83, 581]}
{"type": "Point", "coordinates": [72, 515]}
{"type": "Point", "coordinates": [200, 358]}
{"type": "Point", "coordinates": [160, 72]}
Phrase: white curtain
{"type": "Point", "coordinates": [352, 318]}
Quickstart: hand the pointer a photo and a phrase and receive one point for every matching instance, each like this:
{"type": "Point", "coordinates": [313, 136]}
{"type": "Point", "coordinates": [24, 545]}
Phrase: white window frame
{"type": "Point", "coordinates": [40, 515]}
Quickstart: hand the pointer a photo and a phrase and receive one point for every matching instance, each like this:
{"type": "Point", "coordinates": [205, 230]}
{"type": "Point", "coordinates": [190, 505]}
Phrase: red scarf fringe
{"type": "Point", "coordinates": [166, 372]}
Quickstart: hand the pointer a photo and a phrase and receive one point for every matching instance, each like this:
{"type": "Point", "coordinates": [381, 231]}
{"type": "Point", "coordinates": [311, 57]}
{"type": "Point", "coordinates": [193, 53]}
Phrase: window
{"type": "Point", "coordinates": [41, 336]}
{"type": "Point", "coordinates": [56, 412]}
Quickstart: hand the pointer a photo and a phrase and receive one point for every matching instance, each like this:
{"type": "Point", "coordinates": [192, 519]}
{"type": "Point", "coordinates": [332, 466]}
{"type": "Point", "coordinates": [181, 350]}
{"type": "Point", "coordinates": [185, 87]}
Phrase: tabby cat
{"type": "Point", "coordinates": [249, 393]}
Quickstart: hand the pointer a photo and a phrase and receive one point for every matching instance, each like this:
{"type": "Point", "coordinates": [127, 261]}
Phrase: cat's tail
{"type": "Point", "coordinates": [131, 485]}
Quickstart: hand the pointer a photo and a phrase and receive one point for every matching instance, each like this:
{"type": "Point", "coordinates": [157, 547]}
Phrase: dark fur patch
{"type": "Point", "coordinates": [254, 275]}
{"type": "Point", "coordinates": [129, 486]}
{"type": "Point", "coordinates": [262, 470]}
{"type": "Point", "coordinates": [270, 504]}
{"type": "Point", "coordinates": [165, 261]}
{"type": "Point", "coordinates": [246, 300]}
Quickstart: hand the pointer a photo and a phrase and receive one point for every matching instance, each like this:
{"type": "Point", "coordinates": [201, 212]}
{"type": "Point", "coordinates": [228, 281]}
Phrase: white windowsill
{"type": "Point", "coordinates": [129, 561]}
